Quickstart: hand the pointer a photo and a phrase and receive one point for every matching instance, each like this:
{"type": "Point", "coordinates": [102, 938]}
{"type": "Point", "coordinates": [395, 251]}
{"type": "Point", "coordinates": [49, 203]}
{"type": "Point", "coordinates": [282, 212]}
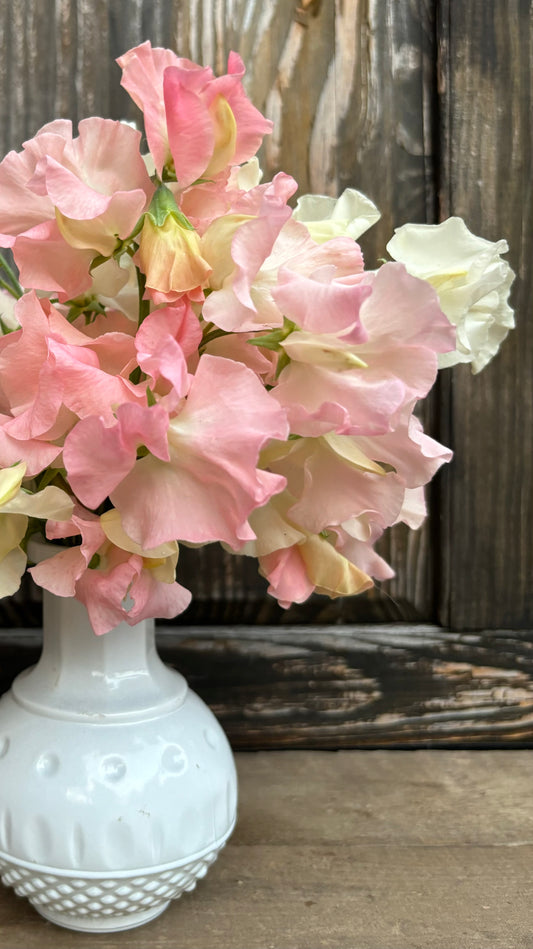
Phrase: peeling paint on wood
{"type": "Point", "coordinates": [364, 687]}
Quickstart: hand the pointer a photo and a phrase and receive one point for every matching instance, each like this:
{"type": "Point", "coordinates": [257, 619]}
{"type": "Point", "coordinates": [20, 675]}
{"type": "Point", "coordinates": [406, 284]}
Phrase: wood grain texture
{"type": "Point", "coordinates": [335, 687]}
{"type": "Point", "coordinates": [331, 851]}
{"type": "Point", "coordinates": [486, 86]}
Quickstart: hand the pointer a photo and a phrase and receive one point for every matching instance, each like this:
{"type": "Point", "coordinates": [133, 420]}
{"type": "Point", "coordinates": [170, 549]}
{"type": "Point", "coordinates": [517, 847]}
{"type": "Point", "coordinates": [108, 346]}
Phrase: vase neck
{"type": "Point", "coordinates": [81, 675]}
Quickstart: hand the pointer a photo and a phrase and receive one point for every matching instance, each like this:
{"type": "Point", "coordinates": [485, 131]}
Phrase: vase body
{"type": "Point", "coordinates": [117, 784]}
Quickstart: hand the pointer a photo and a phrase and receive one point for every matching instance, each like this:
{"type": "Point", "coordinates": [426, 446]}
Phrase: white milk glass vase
{"type": "Point", "coordinates": [117, 784]}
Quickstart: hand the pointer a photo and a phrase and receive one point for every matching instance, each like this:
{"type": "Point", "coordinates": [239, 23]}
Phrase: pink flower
{"type": "Point", "coordinates": [363, 489]}
{"type": "Point", "coordinates": [117, 582]}
{"type": "Point", "coordinates": [358, 384]}
{"type": "Point", "coordinates": [199, 481]}
{"type": "Point", "coordinates": [194, 122]}
{"type": "Point", "coordinates": [245, 250]}
{"type": "Point", "coordinates": [304, 562]}
{"type": "Point", "coordinates": [78, 196]}
{"type": "Point", "coordinates": [163, 342]}
{"type": "Point", "coordinates": [53, 373]}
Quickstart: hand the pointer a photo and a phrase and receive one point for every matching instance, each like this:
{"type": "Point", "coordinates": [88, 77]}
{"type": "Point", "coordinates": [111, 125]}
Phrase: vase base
{"type": "Point", "coordinates": [102, 925]}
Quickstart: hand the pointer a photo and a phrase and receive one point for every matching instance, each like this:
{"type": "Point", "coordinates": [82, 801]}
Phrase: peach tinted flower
{"type": "Point", "coordinates": [17, 504]}
{"type": "Point", "coordinates": [199, 481]}
{"type": "Point", "coordinates": [79, 195]}
{"type": "Point", "coordinates": [116, 579]}
{"type": "Point", "coordinates": [170, 257]}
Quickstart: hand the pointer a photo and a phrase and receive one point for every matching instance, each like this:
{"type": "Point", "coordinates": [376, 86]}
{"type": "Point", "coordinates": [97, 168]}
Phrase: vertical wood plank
{"type": "Point", "coordinates": [486, 85]}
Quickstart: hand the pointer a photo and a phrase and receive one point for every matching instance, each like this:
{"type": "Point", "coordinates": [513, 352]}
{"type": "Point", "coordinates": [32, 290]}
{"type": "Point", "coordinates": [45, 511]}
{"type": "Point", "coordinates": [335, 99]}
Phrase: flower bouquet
{"type": "Point", "coordinates": [186, 359]}
{"type": "Point", "coordinates": [192, 361]}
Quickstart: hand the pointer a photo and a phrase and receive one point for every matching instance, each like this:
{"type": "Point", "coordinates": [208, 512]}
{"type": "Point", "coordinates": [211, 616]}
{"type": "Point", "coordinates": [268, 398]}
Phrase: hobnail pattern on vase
{"type": "Point", "coordinates": [98, 900]}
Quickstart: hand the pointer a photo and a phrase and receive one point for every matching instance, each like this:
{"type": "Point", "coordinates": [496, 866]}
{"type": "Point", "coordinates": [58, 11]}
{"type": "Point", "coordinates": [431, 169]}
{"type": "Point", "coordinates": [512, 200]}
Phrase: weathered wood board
{"type": "Point", "coordinates": [335, 687]}
{"type": "Point", "coordinates": [486, 173]}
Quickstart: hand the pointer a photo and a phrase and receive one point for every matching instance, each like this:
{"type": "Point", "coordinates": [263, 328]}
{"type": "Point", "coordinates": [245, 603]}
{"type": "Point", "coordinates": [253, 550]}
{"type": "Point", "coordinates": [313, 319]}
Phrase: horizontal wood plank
{"type": "Point", "coordinates": [340, 687]}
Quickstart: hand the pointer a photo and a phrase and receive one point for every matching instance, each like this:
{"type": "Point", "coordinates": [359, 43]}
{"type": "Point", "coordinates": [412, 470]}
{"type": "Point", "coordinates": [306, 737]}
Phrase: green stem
{"type": "Point", "coordinates": [214, 334]}
{"type": "Point", "coordinates": [144, 305]}
{"type": "Point", "coordinates": [10, 289]}
{"type": "Point", "coordinates": [17, 290]}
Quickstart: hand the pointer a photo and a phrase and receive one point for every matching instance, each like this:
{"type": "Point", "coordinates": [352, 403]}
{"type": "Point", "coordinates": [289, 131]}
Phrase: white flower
{"type": "Point", "coordinates": [350, 215]}
{"type": "Point", "coordinates": [471, 280]}
{"type": "Point", "coordinates": [16, 504]}
{"type": "Point", "coordinates": [7, 312]}
{"type": "Point", "coordinates": [246, 176]}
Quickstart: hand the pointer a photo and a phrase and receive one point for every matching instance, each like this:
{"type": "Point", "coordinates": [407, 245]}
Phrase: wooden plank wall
{"type": "Point", "coordinates": [426, 106]}
{"type": "Point", "coordinates": [486, 173]}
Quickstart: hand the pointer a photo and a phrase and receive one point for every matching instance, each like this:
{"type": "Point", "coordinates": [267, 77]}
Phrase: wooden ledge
{"type": "Point", "coordinates": [379, 850]}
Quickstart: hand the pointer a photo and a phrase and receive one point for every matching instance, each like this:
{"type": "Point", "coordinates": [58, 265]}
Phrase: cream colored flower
{"type": "Point", "coordinates": [246, 176]}
{"type": "Point", "coordinates": [471, 279]}
{"type": "Point", "coordinates": [160, 560]}
{"type": "Point", "coordinates": [7, 312]}
{"type": "Point", "coordinates": [16, 505]}
{"type": "Point", "coordinates": [350, 215]}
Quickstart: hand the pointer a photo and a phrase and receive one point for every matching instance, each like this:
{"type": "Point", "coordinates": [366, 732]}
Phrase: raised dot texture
{"type": "Point", "coordinates": [174, 759]}
{"type": "Point", "coordinates": [47, 765]}
{"type": "Point", "coordinates": [103, 898]}
{"type": "Point", "coordinates": [113, 768]}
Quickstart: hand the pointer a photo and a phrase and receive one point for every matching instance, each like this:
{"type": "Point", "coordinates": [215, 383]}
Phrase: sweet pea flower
{"type": "Point", "coordinates": [164, 341]}
{"type": "Point", "coordinates": [169, 250]}
{"type": "Point", "coordinates": [53, 373]}
{"type": "Point", "coordinates": [368, 498]}
{"type": "Point", "coordinates": [324, 217]}
{"type": "Point", "coordinates": [363, 488]}
{"type": "Point", "coordinates": [472, 282]}
{"type": "Point", "coordinates": [297, 562]}
{"type": "Point", "coordinates": [196, 478]}
{"type": "Point", "coordinates": [267, 267]}
{"type": "Point", "coordinates": [197, 125]}
{"type": "Point", "coordinates": [116, 579]}
{"type": "Point", "coordinates": [17, 504]}
{"type": "Point", "coordinates": [66, 200]}
{"type": "Point", "coordinates": [245, 250]}
{"type": "Point", "coordinates": [356, 382]}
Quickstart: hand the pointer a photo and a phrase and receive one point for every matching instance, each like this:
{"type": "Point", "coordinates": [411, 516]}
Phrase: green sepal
{"type": "Point", "coordinates": [90, 307]}
{"type": "Point", "coordinates": [273, 339]}
{"type": "Point", "coordinates": [164, 203]}
{"type": "Point", "coordinates": [49, 475]}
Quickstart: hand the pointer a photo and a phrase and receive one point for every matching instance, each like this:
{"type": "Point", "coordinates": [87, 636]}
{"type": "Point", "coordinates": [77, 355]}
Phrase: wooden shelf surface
{"type": "Point", "coordinates": [336, 850]}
